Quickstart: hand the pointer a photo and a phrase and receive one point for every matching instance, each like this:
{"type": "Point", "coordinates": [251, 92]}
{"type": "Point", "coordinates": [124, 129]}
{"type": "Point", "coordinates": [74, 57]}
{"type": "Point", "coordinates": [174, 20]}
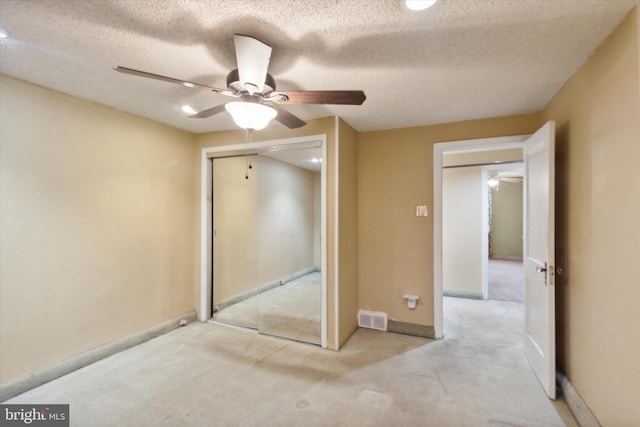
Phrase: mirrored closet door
{"type": "Point", "coordinates": [267, 242]}
{"type": "Point", "coordinates": [235, 242]}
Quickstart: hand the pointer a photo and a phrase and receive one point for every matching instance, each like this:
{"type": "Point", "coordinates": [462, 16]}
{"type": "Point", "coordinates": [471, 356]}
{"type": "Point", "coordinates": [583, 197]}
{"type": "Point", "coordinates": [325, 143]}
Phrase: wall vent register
{"type": "Point", "coordinates": [372, 320]}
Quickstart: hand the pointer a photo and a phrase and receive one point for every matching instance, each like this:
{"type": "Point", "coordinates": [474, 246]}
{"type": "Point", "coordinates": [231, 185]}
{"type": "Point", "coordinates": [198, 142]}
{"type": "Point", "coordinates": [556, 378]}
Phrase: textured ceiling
{"type": "Point", "coordinates": [459, 60]}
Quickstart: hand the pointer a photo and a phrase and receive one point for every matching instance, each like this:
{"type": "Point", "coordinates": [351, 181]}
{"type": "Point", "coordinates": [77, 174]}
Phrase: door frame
{"type": "Point", "coordinates": [206, 217]}
{"type": "Point", "coordinates": [440, 148]}
{"type": "Point", "coordinates": [485, 232]}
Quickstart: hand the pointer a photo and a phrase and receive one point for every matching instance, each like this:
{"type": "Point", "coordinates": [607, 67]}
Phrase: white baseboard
{"type": "Point", "coordinates": [34, 379]}
{"type": "Point", "coordinates": [507, 258]}
{"type": "Point", "coordinates": [578, 407]}
{"type": "Point", "coordinates": [263, 288]}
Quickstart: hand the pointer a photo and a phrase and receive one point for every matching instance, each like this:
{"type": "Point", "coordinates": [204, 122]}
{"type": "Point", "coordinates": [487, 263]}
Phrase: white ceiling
{"type": "Point", "coordinates": [460, 60]}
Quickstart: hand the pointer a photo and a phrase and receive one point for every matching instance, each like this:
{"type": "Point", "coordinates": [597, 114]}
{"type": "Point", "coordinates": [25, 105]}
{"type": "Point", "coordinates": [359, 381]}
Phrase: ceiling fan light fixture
{"type": "Point", "coordinates": [493, 182]}
{"type": "Point", "coordinates": [250, 115]}
{"type": "Point", "coordinates": [417, 5]}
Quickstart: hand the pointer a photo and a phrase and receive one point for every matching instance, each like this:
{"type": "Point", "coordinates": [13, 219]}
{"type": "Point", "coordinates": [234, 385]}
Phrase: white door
{"type": "Point", "coordinates": [539, 255]}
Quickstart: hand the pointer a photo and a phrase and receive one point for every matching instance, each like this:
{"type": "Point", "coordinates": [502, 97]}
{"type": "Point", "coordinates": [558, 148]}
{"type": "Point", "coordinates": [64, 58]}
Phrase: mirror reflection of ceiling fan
{"type": "Point", "coordinates": [257, 101]}
{"type": "Point", "coordinates": [512, 177]}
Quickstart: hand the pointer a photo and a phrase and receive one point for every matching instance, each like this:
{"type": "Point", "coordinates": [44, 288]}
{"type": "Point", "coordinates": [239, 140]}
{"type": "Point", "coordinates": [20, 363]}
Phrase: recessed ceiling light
{"type": "Point", "coordinates": [416, 5]}
{"type": "Point", "coordinates": [3, 33]}
{"type": "Point", "coordinates": [189, 109]}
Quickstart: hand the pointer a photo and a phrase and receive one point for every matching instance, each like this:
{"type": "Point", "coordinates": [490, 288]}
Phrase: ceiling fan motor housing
{"type": "Point", "coordinates": [233, 82]}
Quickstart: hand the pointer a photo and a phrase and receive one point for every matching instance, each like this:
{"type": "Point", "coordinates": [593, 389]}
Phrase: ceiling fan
{"type": "Point", "coordinates": [510, 180]}
{"type": "Point", "coordinates": [257, 101]}
{"type": "Point", "coordinates": [510, 177]}
{"type": "Point", "coordinates": [514, 177]}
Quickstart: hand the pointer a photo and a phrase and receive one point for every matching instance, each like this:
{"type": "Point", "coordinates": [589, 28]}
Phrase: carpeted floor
{"type": "Point", "coordinates": [210, 375]}
{"type": "Point", "coordinates": [506, 280]}
{"type": "Point", "coordinates": [291, 310]}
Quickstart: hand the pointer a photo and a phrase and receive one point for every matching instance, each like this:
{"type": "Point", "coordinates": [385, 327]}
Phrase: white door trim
{"type": "Point", "coordinates": [336, 240]}
{"type": "Point", "coordinates": [484, 144]}
{"type": "Point", "coordinates": [206, 175]}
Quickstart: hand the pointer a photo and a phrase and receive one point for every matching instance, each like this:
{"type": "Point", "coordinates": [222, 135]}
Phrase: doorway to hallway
{"type": "Point", "coordinates": [481, 221]}
{"type": "Point", "coordinates": [473, 150]}
{"type": "Point", "coordinates": [538, 241]}
{"type": "Point", "coordinates": [482, 275]}
{"type": "Point", "coordinates": [505, 218]}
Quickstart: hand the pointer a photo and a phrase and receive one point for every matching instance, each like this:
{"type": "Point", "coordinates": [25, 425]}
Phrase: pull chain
{"type": "Point", "coordinates": [249, 134]}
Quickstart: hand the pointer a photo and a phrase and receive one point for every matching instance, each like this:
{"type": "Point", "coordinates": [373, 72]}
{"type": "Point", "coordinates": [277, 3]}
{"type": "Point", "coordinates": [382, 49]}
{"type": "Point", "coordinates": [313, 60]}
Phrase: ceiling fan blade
{"type": "Point", "coordinates": [139, 73]}
{"type": "Point", "coordinates": [345, 97]}
{"type": "Point", "coordinates": [253, 58]}
{"type": "Point", "coordinates": [285, 117]}
{"type": "Point", "coordinates": [209, 112]}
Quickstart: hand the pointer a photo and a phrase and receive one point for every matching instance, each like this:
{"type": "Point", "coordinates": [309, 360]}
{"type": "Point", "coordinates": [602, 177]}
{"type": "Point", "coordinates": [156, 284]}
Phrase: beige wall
{"type": "Point", "coordinates": [597, 114]}
{"type": "Point", "coordinates": [285, 219]}
{"type": "Point", "coordinates": [462, 227]}
{"type": "Point", "coordinates": [97, 217]}
{"type": "Point", "coordinates": [506, 219]}
{"type": "Point", "coordinates": [348, 231]}
{"type": "Point", "coordinates": [395, 173]}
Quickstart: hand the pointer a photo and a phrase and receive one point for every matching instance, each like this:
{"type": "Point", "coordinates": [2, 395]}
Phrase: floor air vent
{"type": "Point", "coordinates": [372, 320]}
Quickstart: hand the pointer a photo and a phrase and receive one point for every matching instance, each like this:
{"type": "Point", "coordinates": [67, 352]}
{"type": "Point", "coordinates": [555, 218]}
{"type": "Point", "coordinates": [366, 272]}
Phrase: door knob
{"type": "Point", "coordinates": [541, 269]}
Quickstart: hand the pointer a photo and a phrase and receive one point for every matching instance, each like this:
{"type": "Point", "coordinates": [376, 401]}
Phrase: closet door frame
{"type": "Point", "coordinates": [206, 216]}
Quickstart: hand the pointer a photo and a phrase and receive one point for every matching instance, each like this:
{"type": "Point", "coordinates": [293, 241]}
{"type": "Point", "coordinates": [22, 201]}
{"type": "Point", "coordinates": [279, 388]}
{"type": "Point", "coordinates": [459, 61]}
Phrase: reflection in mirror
{"type": "Point", "coordinates": [273, 246]}
{"type": "Point", "coordinates": [235, 242]}
{"type": "Point", "coordinates": [289, 244]}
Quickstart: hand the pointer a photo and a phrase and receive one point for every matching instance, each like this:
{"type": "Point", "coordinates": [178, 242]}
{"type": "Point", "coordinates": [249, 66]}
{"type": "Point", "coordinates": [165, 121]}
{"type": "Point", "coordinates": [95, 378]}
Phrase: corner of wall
{"type": "Point", "coordinates": [347, 214]}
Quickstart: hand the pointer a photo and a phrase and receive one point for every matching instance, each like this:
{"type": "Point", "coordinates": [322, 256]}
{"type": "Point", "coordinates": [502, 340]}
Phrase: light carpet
{"type": "Point", "coordinates": [210, 375]}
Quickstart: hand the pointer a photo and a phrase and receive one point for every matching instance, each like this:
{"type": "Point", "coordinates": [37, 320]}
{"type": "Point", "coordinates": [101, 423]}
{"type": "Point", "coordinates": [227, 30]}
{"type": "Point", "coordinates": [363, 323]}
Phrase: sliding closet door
{"type": "Point", "coordinates": [289, 277]}
{"type": "Point", "coordinates": [267, 242]}
{"type": "Point", "coordinates": [235, 242]}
